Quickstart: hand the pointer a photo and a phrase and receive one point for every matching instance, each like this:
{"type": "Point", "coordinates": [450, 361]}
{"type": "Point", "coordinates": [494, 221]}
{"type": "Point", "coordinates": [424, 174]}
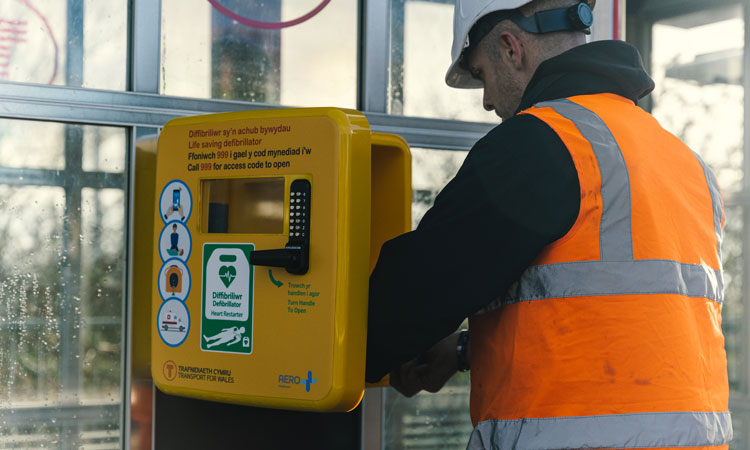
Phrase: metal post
{"type": "Point", "coordinates": [374, 56]}
{"type": "Point", "coordinates": [373, 95]}
{"type": "Point", "coordinates": [372, 419]}
{"type": "Point", "coordinates": [396, 70]}
{"type": "Point", "coordinates": [126, 374]}
{"type": "Point", "coordinates": [145, 65]}
{"type": "Point", "coordinates": [70, 324]}
{"type": "Point", "coordinates": [145, 51]}
{"type": "Point", "coordinates": [74, 44]}
{"type": "Point", "coordinates": [745, 333]}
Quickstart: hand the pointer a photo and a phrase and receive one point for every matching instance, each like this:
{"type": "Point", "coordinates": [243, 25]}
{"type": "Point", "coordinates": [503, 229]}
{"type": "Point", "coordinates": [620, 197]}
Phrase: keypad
{"type": "Point", "coordinates": [299, 205]}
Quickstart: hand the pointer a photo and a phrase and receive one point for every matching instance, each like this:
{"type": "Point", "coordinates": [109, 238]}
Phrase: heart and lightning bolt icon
{"type": "Point", "coordinates": [227, 274]}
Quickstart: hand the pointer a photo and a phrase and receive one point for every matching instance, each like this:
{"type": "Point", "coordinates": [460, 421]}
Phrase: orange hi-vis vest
{"type": "Point", "coordinates": [612, 337]}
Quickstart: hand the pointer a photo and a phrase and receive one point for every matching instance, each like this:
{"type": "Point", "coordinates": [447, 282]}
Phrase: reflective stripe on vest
{"type": "Point", "coordinates": [713, 187]}
{"type": "Point", "coordinates": [616, 236]}
{"type": "Point", "coordinates": [592, 278]}
{"type": "Point", "coordinates": [532, 370]}
{"type": "Point", "coordinates": [655, 430]}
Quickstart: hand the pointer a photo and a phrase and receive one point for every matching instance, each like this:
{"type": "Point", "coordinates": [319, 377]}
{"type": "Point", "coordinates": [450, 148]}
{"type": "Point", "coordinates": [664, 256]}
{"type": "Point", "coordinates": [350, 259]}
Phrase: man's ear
{"type": "Point", "coordinates": [513, 49]}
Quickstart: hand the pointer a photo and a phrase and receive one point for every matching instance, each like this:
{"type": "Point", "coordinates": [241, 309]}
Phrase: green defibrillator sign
{"type": "Point", "coordinates": [227, 300]}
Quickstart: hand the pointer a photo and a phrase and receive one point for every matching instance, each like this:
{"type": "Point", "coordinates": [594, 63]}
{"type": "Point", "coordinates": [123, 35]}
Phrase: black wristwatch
{"type": "Point", "coordinates": [462, 351]}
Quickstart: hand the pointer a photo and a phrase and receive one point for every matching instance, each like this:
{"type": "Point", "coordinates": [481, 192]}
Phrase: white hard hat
{"type": "Point", "coordinates": [465, 15]}
{"type": "Point", "coordinates": [468, 12]}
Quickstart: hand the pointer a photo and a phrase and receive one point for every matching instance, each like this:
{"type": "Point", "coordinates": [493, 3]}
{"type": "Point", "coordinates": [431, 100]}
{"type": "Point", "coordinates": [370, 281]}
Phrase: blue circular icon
{"type": "Point", "coordinates": [174, 280]}
{"type": "Point", "coordinates": [173, 322]}
{"type": "Point", "coordinates": [175, 202]}
{"type": "Point", "coordinates": [175, 241]}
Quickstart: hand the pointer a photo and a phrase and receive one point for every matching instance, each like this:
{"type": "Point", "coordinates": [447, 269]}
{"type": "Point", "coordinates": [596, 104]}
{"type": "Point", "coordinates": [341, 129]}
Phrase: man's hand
{"type": "Point", "coordinates": [430, 371]}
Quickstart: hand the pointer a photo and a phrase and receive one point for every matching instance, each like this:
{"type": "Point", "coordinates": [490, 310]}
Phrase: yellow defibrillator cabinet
{"type": "Point", "coordinates": [266, 227]}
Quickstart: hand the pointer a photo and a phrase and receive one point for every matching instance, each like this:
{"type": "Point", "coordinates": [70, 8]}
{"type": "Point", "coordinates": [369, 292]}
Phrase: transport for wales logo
{"type": "Point", "coordinates": [287, 381]}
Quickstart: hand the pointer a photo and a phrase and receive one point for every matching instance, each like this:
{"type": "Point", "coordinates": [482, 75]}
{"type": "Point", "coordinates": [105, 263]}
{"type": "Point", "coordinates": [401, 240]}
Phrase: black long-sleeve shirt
{"type": "Point", "coordinates": [516, 193]}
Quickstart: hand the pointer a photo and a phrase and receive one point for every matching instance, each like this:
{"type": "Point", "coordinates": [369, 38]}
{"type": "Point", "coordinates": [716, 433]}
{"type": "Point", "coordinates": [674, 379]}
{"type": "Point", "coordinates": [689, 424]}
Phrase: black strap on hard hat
{"type": "Point", "coordinates": [575, 18]}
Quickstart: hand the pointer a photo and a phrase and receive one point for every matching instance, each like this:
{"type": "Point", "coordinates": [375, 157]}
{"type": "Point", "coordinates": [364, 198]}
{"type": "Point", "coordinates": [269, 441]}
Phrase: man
{"type": "Point", "coordinates": [580, 238]}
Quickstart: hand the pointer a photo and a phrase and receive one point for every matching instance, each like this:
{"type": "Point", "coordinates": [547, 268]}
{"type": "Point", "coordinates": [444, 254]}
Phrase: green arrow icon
{"type": "Point", "coordinates": [273, 280]}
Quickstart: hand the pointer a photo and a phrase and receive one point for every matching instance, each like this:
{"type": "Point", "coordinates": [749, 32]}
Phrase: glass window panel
{"type": "Point", "coordinates": [697, 67]}
{"type": "Point", "coordinates": [740, 440]}
{"type": "Point", "coordinates": [30, 299]}
{"type": "Point", "coordinates": [733, 323]}
{"type": "Point", "coordinates": [62, 272]}
{"type": "Point", "coordinates": [431, 171]}
{"type": "Point", "coordinates": [30, 227]}
{"type": "Point", "coordinates": [733, 312]}
{"type": "Point", "coordinates": [103, 149]}
{"type": "Point", "coordinates": [421, 39]}
{"type": "Point", "coordinates": [19, 150]}
{"type": "Point", "coordinates": [429, 420]}
{"type": "Point", "coordinates": [39, 45]}
{"type": "Point", "coordinates": [105, 41]}
{"type": "Point", "coordinates": [103, 263]}
{"type": "Point", "coordinates": [312, 63]}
